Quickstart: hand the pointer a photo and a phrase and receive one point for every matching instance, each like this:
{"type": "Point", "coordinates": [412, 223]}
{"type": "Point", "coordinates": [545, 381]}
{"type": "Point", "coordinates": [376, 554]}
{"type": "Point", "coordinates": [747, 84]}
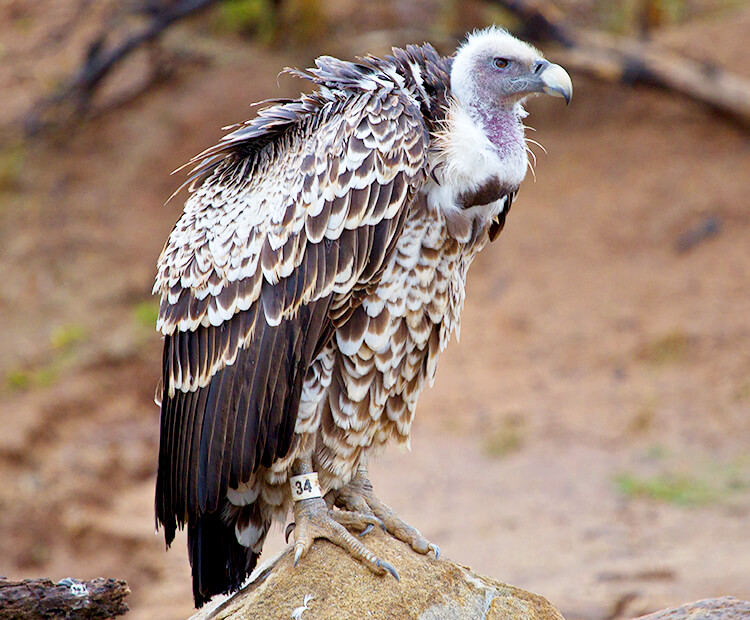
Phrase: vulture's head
{"type": "Point", "coordinates": [483, 145]}
{"type": "Point", "coordinates": [494, 70]}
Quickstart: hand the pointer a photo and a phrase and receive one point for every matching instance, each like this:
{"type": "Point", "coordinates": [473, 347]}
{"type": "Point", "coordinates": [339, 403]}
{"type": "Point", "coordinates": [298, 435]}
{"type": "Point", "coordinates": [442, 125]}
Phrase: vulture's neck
{"type": "Point", "coordinates": [502, 127]}
{"type": "Point", "coordinates": [477, 145]}
{"type": "Point", "coordinates": [480, 157]}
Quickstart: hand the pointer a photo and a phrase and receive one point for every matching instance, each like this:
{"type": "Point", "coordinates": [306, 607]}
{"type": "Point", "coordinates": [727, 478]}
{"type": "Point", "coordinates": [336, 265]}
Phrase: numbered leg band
{"type": "Point", "coordinates": [305, 486]}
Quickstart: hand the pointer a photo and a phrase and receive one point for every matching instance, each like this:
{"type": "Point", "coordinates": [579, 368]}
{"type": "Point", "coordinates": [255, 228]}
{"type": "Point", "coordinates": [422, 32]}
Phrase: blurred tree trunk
{"type": "Point", "coordinates": [629, 61]}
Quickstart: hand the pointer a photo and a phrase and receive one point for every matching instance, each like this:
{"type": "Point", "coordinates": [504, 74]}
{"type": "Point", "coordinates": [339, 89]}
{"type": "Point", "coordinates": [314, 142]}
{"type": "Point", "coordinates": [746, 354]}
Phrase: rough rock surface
{"type": "Point", "coordinates": [332, 585]}
{"type": "Point", "coordinates": [724, 608]}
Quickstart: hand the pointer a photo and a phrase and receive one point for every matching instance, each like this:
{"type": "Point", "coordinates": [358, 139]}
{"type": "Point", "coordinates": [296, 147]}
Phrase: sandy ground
{"type": "Point", "coordinates": [588, 437]}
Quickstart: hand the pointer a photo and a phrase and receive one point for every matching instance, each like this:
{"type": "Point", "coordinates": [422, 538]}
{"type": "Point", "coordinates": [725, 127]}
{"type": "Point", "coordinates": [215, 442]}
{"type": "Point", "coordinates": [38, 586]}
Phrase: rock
{"type": "Point", "coordinates": [330, 584]}
{"type": "Point", "coordinates": [724, 608]}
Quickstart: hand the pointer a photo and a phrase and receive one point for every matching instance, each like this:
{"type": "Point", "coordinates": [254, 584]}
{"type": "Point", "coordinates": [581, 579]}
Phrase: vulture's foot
{"type": "Point", "coordinates": [314, 519]}
{"type": "Point", "coordinates": [358, 497]}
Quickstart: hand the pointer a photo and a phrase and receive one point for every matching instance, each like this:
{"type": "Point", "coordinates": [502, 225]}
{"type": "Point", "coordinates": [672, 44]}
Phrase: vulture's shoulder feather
{"type": "Point", "coordinates": [290, 217]}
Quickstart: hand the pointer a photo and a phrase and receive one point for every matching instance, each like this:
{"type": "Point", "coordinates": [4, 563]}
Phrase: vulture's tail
{"type": "Point", "coordinates": [220, 563]}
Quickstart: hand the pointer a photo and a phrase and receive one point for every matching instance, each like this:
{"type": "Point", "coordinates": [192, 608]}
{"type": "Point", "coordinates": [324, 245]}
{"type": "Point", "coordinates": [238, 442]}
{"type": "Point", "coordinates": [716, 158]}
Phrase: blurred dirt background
{"type": "Point", "coordinates": [588, 438]}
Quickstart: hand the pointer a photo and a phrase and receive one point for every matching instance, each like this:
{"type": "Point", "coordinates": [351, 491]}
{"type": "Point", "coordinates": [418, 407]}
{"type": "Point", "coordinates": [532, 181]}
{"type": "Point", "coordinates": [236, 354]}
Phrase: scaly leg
{"type": "Point", "coordinates": [313, 518]}
{"type": "Point", "coordinates": [358, 497]}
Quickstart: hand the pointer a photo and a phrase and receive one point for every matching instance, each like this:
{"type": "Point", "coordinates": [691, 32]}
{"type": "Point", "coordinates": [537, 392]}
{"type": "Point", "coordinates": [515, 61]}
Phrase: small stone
{"type": "Point", "coordinates": [724, 608]}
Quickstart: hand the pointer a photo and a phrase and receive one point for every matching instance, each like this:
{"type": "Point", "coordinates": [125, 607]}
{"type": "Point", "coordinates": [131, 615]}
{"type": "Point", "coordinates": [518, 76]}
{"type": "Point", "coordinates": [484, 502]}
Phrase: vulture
{"type": "Point", "coordinates": [316, 273]}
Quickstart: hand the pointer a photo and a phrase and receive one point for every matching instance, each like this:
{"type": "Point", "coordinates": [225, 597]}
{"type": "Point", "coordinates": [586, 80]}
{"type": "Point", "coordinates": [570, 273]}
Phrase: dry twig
{"type": "Point", "coordinates": [100, 60]}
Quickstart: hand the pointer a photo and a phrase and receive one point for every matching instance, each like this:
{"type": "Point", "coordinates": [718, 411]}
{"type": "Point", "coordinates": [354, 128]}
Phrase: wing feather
{"type": "Point", "coordinates": [291, 218]}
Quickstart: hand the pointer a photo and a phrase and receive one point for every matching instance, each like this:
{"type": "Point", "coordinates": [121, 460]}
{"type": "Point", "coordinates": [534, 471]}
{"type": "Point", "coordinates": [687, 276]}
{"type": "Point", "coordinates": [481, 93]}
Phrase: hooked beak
{"type": "Point", "coordinates": [554, 80]}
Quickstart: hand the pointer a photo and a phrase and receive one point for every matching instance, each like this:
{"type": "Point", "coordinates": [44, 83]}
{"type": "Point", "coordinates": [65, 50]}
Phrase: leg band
{"type": "Point", "coordinates": [305, 486]}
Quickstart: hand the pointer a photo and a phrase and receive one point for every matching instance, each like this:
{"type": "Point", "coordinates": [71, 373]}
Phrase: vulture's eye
{"type": "Point", "coordinates": [500, 63]}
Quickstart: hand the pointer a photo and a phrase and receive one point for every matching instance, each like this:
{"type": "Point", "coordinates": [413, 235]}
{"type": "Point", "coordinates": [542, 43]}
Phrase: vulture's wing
{"type": "Point", "coordinates": [291, 218]}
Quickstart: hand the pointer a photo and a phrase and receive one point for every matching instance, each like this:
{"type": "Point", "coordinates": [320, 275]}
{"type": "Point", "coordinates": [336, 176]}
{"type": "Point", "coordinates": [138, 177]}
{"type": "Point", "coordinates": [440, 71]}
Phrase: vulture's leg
{"type": "Point", "coordinates": [358, 496]}
{"type": "Point", "coordinates": [314, 518]}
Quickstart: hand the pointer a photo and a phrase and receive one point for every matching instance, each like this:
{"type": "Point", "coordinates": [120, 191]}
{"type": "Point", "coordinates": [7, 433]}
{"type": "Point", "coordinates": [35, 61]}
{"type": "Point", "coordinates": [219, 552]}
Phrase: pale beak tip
{"type": "Point", "coordinates": [557, 82]}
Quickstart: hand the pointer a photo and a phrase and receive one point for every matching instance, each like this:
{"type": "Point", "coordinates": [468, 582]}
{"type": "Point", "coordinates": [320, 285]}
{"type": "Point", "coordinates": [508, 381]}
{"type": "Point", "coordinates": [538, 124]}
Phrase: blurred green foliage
{"type": "Point", "coordinates": [145, 313]}
{"type": "Point", "coordinates": [22, 379]}
{"type": "Point", "coordinates": [508, 438]}
{"type": "Point", "coordinates": [304, 20]}
{"type": "Point", "coordinates": [11, 167]}
{"type": "Point", "coordinates": [295, 22]}
{"type": "Point", "coordinates": [64, 341]}
{"type": "Point", "coordinates": [627, 16]}
{"type": "Point", "coordinates": [18, 379]}
{"type": "Point", "coordinates": [65, 338]}
{"type": "Point", "coordinates": [742, 393]}
{"type": "Point", "coordinates": [673, 488]}
{"type": "Point", "coordinates": [700, 484]}
{"type": "Point", "coordinates": [245, 17]}
{"type": "Point", "coordinates": [672, 347]}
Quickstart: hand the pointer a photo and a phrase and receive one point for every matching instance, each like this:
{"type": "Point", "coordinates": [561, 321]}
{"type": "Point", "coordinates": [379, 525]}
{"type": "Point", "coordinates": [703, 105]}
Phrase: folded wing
{"type": "Point", "coordinates": [291, 219]}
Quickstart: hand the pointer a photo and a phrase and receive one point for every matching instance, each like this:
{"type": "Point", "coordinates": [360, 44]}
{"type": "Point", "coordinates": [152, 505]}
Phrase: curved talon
{"type": "Point", "coordinates": [359, 512]}
{"type": "Point", "coordinates": [389, 567]}
{"type": "Point", "coordinates": [357, 496]}
{"type": "Point", "coordinates": [288, 531]}
{"type": "Point", "coordinates": [355, 520]}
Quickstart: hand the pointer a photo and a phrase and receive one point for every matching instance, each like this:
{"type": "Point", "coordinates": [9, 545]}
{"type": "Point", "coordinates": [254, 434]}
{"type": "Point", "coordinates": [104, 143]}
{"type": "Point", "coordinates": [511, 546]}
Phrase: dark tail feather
{"type": "Point", "coordinates": [220, 563]}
